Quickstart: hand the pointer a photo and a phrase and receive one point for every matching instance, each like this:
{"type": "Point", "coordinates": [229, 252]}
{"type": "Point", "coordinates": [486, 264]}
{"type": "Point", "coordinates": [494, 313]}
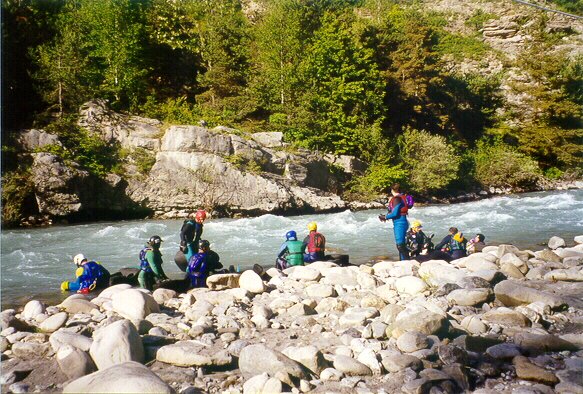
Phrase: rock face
{"type": "Point", "coordinates": [245, 175]}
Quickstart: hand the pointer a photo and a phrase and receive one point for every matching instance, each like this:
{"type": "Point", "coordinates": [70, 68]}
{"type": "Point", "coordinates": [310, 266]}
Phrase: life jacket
{"type": "Point", "coordinates": [144, 265]}
{"type": "Point", "coordinates": [457, 242]}
{"type": "Point", "coordinates": [93, 274]}
{"type": "Point", "coordinates": [295, 253]}
{"type": "Point", "coordinates": [394, 202]}
{"type": "Point", "coordinates": [197, 270]}
{"type": "Point", "coordinates": [316, 242]}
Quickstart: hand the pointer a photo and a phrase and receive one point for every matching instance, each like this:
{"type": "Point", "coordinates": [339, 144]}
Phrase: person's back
{"type": "Point", "coordinates": [315, 244]}
{"type": "Point", "coordinates": [96, 272]}
{"type": "Point", "coordinates": [197, 269]}
{"type": "Point", "coordinates": [295, 253]}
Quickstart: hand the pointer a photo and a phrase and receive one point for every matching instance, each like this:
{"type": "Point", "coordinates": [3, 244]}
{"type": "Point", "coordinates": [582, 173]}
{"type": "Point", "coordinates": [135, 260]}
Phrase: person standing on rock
{"type": "Point", "coordinates": [397, 212]}
{"type": "Point", "coordinates": [315, 244]}
{"type": "Point", "coordinates": [291, 252]}
{"type": "Point", "coordinates": [151, 264]}
{"type": "Point", "coordinates": [455, 243]}
{"type": "Point", "coordinates": [201, 264]}
{"type": "Point", "coordinates": [190, 234]}
{"type": "Point", "coordinates": [90, 275]}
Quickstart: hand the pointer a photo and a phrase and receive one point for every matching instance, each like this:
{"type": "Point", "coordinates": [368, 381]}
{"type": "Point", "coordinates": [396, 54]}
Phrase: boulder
{"type": "Point", "coordinates": [127, 377]}
{"type": "Point", "coordinates": [504, 249]}
{"type": "Point", "coordinates": [223, 281]}
{"type": "Point", "coordinates": [32, 309]}
{"type": "Point", "coordinates": [111, 290]}
{"type": "Point", "coordinates": [511, 271]}
{"type": "Point", "coordinates": [437, 273]}
{"type": "Point", "coordinates": [256, 359]}
{"type": "Point", "coordinates": [578, 239]}
{"type": "Point", "coordinates": [556, 242]}
{"type": "Point", "coordinates": [542, 343]}
{"type": "Point", "coordinates": [309, 356]}
{"type": "Point", "coordinates": [473, 325]}
{"type": "Point", "coordinates": [116, 343]}
{"type": "Point", "coordinates": [469, 297]}
{"type": "Point", "coordinates": [271, 139]}
{"type": "Point", "coordinates": [574, 274]}
{"type": "Point", "coordinates": [54, 322]}
{"type": "Point", "coordinates": [62, 338]}
{"type": "Point", "coordinates": [412, 341]}
{"type": "Point", "coordinates": [134, 304]}
{"type": "Point", "coordinates": [410, 285]}
{"type": "Point", "coordinates": [506, 317]}
{"type": "Point", "coordinates": [350, 367]}
{"type": "Point", "coordinates": [192, 354]}
{"type": "Point", "coordinates": [260, 384]}
{"type": "Point", "coordinates": [503, 351]}
{"type": "Point", "coordinates": [305, 274]}
{"type": "Point", "coordinates": [369, 358]}
{"type": "Point", "coordinates": [512, 293]}
{"type": "Point", "coordinates": [78, 304]}
{"type": "Point", "coordinates": [418, 318]}
{"type": "Point", "coordinates": [548, 256]}
{"type": "Point", "coordinates": [397, 362]}
{"type": "Point", "coordinates": [30, 350]}
{"type": "Point", "coordinates": [74, 362]}
{"type": "Point", "coordinates": [320, 290]}
{"type": "Point", "coordinates": [251, 282]}
{"type": "Point", "coordinates": [342, 276]}
{"type": "Point", "coordinates": [163, 295]}
{"type": "Point", "coordinates": [528, 371]}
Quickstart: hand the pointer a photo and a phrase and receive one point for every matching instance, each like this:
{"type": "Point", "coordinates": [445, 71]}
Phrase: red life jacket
{"type": "Point", "coordinates": [316, 242]}
{"type": "Point", "coordinates": [394, 202]}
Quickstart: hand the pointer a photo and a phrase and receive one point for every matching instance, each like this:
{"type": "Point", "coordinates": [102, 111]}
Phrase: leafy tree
{"type": "Point", "coordinates": [342, 103]}
{"type": "Point", "coordinates": [431, 163]}
{"type": "Point", "coordinates": [500, 165]}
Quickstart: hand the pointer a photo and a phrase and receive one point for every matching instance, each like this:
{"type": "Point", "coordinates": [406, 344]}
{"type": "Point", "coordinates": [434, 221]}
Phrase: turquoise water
{"type": "Point", "coordinates": [35, 261]}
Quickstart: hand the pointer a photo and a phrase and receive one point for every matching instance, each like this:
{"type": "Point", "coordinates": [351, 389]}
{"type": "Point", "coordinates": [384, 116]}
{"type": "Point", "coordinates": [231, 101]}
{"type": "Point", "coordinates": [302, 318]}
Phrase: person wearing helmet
{"type": "Point", "coordinates": [190, 234]}
{"type": "Point", "coordinates": [315, 244]}
{"type": "Point", "coordinates": [202, 264]}
{"type": "Point", "coordinates": [416, 239]}
{"type": "Point", "coordinates": [454, 244]}
{"type": "Point", "coordinates": [151, 264]}
{"type": "Point", "coordinates": [398, 210]}
{"type": "Point", "coordinates": [291, 251]}
{"type": "Point", "coordinates": [90, 275]}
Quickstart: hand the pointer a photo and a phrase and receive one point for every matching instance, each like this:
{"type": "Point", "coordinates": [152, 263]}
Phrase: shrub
{"type": "Point", "coordinates": [16, 189]}
{"type": "Point", "coordinates": [431, 163]}
{"type": "Point", "coordinates": [500, 165]}
{"type": "Point", "coordinates": [377, 178]}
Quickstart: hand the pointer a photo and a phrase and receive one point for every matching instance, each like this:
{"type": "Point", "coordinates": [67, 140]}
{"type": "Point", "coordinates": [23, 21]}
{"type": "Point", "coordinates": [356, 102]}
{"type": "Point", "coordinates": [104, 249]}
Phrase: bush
{"type": "Point", "coordinates": [431, 163]}
{"type": "Point", "coordinates": [377, 178]}
{"type": "Point", "coordinates": [16, 190]}
{"type": "Point", "coordinates": [500, 165]}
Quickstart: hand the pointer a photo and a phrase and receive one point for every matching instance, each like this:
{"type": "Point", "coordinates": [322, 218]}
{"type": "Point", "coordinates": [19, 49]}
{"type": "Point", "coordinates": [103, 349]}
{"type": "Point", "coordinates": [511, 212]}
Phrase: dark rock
{"type": "Point", "coordinates": [452, 354]}
{"type": "Point", "coordinates": [535, 344]}
{"type": "Point", "coordinates": [474, 282]}
{"type": "Point", "coordinates": [528, 371]}
{"type": "Point", "coordinates": [459, 375]}
{"type": "Point", "coordinates": [446, 289]}
{"type": "Point", "coordinates": [476, 343]}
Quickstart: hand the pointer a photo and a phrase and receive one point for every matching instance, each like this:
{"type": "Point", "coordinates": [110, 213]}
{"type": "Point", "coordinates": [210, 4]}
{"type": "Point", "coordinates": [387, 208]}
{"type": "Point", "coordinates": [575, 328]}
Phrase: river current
{"type": "Point", "coordinates": [35, 261]}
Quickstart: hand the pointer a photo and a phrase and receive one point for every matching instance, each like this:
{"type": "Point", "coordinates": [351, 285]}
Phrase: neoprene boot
{"type": "Point", "coordinates": [403, 251]}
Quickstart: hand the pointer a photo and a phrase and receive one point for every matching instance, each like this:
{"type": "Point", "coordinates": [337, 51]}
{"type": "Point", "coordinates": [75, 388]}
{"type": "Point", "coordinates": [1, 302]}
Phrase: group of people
{"type": "Point", "coordinates": [202, 261]}
{"type": "Point", "coordinates": [414, 243]}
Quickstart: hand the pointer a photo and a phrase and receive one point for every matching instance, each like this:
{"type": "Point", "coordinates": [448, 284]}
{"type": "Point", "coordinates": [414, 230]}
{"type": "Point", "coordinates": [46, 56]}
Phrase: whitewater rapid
{"type": "Point", "coordinates": [35, 261]}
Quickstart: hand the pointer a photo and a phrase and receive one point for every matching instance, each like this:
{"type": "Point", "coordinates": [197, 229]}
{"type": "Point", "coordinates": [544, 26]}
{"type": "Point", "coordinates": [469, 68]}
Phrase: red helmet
{"type": "Point", "coordinates": [200, 215]}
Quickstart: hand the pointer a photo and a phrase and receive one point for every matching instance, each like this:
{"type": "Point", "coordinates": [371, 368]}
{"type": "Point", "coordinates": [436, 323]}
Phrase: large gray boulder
{"type": "Point", "coordinates": [418, 318]}
{"type": "Point", "coordinates": [32, 309]}
{"type": "Point", "coordinates": [74, 362]}
{"type": "Point", "coordinates": [62, 338]}
{"type": "Point", "coordinates": [309, 356]}
{"type": "Point", "coordinates": [134, 304]}
{"type": "Point", "coordinates": [116, 343]}
{"type": "Point", "coordinates": [191, 354]}
{"type": "Point", "coordinates": [127, 377]}
{"type": "Point", "coordinates": [512, 293]}
{"type": "Point", "coordinates": [256, 359]}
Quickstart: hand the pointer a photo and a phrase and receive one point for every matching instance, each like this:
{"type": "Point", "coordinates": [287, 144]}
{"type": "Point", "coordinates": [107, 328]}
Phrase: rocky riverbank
{"type": "Point", "coordinates": [504, 320]}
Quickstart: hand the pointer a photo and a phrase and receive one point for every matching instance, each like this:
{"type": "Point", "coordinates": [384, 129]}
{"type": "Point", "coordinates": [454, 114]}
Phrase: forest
{"type": "Point", "coordinates": [377, 79]}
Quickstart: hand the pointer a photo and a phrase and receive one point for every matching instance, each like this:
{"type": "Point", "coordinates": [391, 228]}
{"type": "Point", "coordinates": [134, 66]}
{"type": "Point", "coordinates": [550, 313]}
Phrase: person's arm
{"type": "Point", "coordinates": [183, 232]}
{"type": "Point", "coordinates": [197, 233]}
{"type": "Point", "coordinates": [154, 265]}
{"type": "Point", "coordinates": [282, 250]}
{"type": "Point", "coordinates": [396, 212]}
{"type": "Point", "coordinates": [444, 241]}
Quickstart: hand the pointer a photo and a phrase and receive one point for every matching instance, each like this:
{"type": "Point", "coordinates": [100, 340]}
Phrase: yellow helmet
{"type": "Point", "coordinates": [416, 224]}
{"type": "Point", "coordinates": [312, 226]}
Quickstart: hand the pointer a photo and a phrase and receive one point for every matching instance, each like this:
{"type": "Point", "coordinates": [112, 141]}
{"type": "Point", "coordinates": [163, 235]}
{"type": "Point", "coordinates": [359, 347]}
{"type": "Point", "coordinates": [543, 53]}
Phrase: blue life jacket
{"type": "Point", "coordinates": [197, 270]}
{"type": "Point", "coordinates": [93, 273]}
{"type": "Point", "coordinates": [144, 265]}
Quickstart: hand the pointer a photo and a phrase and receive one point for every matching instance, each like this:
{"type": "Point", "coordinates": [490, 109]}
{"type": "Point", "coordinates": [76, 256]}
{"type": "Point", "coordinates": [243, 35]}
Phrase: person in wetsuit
{"type": "Point", "coordinates": [151, 264]}
{"type": "Point", "coordinates": [90, 275]}
{"type": "Point", "coordinates": [454, 243]}
{"type": "Point", "coordinates": [190, 234]}
{"type": "Point", "coordinates": [202, 264]}
{"type": "Point", "coordinates": [291, 252]}
{"type": "Point", "coordinates": [315, 244]}
{"type": "Point", "coordinates": [397, 212]}
{"type": "Point", "coordinates": [416, 239]}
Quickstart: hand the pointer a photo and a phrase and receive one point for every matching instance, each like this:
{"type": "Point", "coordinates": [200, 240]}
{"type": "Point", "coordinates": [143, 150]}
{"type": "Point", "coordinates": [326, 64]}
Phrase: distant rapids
{"type": "Point", "coordinates": [35, 261]}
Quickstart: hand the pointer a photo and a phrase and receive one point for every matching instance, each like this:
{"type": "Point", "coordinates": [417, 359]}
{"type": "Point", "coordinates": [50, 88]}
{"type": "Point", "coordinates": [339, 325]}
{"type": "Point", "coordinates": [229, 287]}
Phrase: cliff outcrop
{"type": "Point", "coordinates": [221, 169]}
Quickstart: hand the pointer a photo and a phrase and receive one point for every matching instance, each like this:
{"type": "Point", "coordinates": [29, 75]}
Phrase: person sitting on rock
{"type": "Point", "coordinates": [476, 244]}
{"type": "Point", "coordinates": [90, 275]}
{"type": "Point", "coordinates": [454, 243]}
{"type": "Point", "coordinates": [202, 264]}
{"type": "Point", "coordinates": [291, 252]}
{"type": "Point", "coordinates": [416, 239]}
{"type": "Point", "coordinates": [151, 264]}
{"type": "Point", "coordinates": [315, 244]}
{"type": "Point", "coordinates": [190, 234]}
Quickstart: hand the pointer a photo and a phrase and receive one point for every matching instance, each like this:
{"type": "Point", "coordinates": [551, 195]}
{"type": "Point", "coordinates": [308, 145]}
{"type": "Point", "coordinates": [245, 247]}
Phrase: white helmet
{"type": "Point", "coordinates": [79, 259]}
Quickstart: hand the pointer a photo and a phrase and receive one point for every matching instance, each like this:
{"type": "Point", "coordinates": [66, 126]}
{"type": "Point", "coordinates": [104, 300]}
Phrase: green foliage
{"type": "Point", "coordinates": [82, 147]}
{"type": "Point", "coordinates": [573, 6]}
{"type": "Point", "coordinates": [143, 159]}
{"type": "Point", "coordinates": [377, 178]}
{"type": "Point", "coordinates": [553, 173]}
{"type": "Point", "coordinates": [500, 165]}
{"type": "Point", "coordinates": [17, 188]}
{"type": "Point", "coordinates": [478, 18]}
{"type": "Point", "coordinates": [431, 163]}
{"type": "Point", "coordinates": [462, 47]}
{"type": "Point", "coordinates": [244, 163]}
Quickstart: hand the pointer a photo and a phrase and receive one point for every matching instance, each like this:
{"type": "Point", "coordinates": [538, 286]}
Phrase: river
{"type": "Point", "coordinates": [35, 261]}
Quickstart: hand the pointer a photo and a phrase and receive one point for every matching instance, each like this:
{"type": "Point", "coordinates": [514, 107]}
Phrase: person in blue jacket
{"type": "Point", "coordinates": [397, 212]}
{"type": "Point", "coordinates": [90, 275]}
{"type": "Point", "coordinates": [202, 264]}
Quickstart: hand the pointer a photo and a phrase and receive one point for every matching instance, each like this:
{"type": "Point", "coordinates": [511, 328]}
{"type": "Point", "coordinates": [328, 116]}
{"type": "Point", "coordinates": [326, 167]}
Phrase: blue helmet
{"type": "Point", "coordinates": [291, 235]}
